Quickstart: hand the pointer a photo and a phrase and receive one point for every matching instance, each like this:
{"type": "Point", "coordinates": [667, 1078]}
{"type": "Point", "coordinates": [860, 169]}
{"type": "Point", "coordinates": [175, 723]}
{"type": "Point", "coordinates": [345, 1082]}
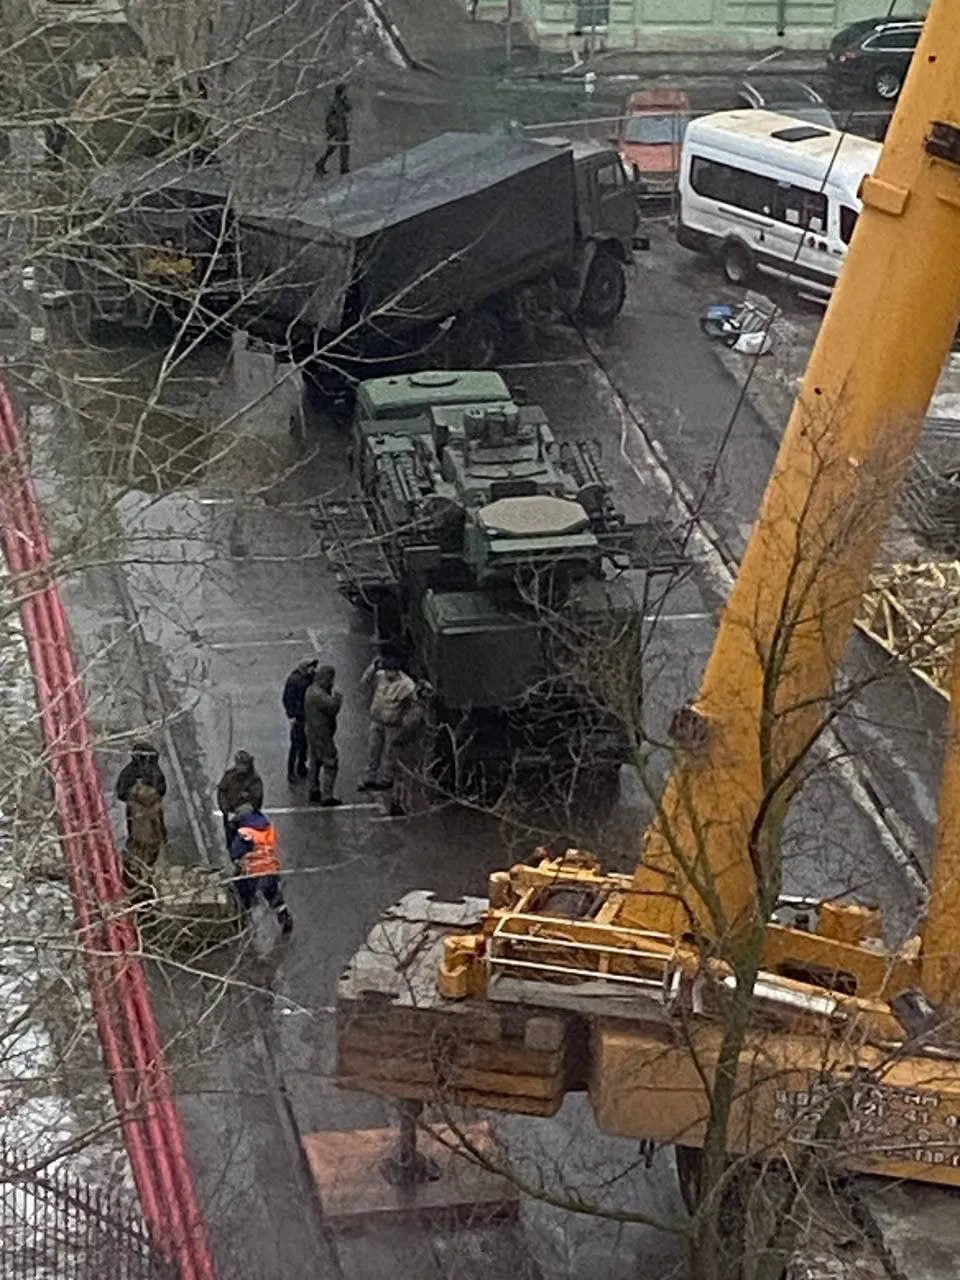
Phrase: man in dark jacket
{"type": "Point", "coordinates": [141, 787]}
{"type": "Point", "coordinates": [322, 706]}
{"type": "Point", "coordinates": [338, 131]}
{"type": "Point", "coordinates": [294, 692]}
{"type": "Point", "coordinates": [240, 785]}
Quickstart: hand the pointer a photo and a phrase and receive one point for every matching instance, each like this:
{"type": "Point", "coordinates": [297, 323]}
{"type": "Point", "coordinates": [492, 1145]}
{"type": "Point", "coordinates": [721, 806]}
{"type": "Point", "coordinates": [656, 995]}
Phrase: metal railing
{"type": "Point", "coordinates": [524, 944]}
{"type": "Point", "coordinates": [54, 1226]}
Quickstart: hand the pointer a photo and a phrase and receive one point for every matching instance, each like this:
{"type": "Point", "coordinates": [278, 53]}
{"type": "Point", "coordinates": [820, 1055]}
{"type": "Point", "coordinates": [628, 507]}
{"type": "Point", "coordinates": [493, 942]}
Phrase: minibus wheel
{"type": "Point", "coordinates": [738, 263]}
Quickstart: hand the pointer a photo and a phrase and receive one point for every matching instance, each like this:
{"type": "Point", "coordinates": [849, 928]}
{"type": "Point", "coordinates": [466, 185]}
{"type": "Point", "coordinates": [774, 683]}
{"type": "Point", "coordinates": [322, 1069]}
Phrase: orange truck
{"type": "Point", "coordinates": [651, 134]}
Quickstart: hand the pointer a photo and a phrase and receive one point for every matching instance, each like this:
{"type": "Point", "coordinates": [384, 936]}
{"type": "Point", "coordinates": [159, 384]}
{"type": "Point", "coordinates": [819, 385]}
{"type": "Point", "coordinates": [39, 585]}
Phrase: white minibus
{"type": "Point", "coordinates": [764, 191]}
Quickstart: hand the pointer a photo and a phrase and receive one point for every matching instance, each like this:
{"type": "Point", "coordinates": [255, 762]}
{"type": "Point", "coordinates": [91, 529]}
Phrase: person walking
{"type": "Point", "coordinates": [240, 785]}
{"type": "Point", "coordinates": [321, 707]}
{"type": "Point", "coordinates": [337, 125]}
{"type": "Point", "coordinates": [294, 692]}
{"type": "Point", "coordinates": [256, 856]}
{"type": "Point", "coordinates": [141, 787]}
{"type": "Point", "coordinates": [391, 689]}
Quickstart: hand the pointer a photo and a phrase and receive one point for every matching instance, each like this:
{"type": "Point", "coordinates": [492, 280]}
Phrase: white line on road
{"type": "Point", "coordinates": [567, 362]}
{"type": "Point", "coordinates": [315, 808]}
{"type": "Point", "coordinates": [677, 617]}
{"type": "Point", "coordinates": [252, 644]}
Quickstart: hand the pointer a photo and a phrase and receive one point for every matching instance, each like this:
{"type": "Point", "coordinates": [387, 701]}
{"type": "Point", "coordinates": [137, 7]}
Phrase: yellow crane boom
{"type": "Point", "coordinates": [647, 967]}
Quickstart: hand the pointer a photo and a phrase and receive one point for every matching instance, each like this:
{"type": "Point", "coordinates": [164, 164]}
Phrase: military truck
{"type": "Point", "coordinates": [460, 240]}
{"type": "Point", "coordinates": [494, 558]}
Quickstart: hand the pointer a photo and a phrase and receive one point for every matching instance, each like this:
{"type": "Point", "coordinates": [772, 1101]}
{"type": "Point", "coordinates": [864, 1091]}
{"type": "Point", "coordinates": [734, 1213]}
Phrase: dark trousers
{"type": "Point", "coordinates": [297, 755]}
{"type": "Point", "coordinates": [269, 886]}
{"type": "Point", "coordinates": [333, 147]}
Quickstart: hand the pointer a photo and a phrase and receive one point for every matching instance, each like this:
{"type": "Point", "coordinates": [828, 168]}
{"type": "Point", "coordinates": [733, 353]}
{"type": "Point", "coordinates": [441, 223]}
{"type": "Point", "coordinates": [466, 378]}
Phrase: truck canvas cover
{"type": "Point", "coordinates": [415, 237]}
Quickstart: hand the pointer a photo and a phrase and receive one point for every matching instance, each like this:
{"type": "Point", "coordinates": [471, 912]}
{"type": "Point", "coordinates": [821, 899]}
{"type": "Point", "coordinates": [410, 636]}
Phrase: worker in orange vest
{"type": "Point", "coordinates": [253, 850]}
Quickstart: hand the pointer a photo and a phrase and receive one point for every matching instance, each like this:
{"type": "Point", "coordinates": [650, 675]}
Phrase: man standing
{"type": "Point", "coordinates": [240, 785]}
{"type": "Point", "coordinates": [254, 852]}
{"type": "Point", "coordinates": [141, 787]}
{"type": "Point", "coordinates": [409, 753]}
{"type": "Point", "coordinates": [322, 706]}
{"type": "Point", "coordinates": [294, 692]}
{"type": "Point", "coordinates": [391, 690]}
{"type": "Point", "coordinates": [338, 131]}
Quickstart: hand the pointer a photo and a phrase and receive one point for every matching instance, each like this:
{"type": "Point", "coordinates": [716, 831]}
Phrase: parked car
{"type": "Point", "coordinates": [651, 136]}
{"type": "Point", "coordinates": [873, 56]}
{"type": "Point", "coordinates": [786, 97]}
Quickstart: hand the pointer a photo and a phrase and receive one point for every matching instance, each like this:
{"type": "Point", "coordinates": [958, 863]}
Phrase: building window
{"type": "Point", "coordinates": [591, 14]}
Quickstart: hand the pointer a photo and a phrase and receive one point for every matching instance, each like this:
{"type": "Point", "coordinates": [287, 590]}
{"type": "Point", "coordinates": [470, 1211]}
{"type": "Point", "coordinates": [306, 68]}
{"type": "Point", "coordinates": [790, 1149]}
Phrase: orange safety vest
{"type": "Point", "coordinates": [262, 860]}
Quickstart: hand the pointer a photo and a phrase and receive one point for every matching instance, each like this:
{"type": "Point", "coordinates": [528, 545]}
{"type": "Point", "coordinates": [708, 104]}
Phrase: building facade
{"type": "Point", "coordinates": [695, 25]}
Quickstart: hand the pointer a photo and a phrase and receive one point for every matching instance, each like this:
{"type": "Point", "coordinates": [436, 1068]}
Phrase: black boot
{"type": "Point", "coordinates": [286, 922]}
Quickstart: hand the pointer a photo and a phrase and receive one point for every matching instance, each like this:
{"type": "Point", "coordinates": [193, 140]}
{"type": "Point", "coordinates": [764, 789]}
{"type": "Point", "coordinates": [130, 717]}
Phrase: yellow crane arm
{"type": "Point", "coordinates": [767, 687]}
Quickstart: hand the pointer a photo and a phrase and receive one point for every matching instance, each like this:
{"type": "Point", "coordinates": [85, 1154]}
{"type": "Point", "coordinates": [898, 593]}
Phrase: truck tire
{"type": "Point", "coordinates": [604, 290]}
{"type": "Point", "coordinates": [475, 340]}
{"type": "Point", "coordinates": [738, 263]}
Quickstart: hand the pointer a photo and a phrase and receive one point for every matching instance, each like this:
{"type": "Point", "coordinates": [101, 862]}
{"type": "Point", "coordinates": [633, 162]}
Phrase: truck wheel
{"type": "Point", "coordinates": [604, 291]}
{"type": "Point", "coordinates": [738, 264]}
{"type": "Point", "coordinates": [474, 340]}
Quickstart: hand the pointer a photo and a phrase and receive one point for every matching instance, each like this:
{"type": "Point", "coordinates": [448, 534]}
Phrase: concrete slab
{"type": "Point", "coordinates": [352, 1188]}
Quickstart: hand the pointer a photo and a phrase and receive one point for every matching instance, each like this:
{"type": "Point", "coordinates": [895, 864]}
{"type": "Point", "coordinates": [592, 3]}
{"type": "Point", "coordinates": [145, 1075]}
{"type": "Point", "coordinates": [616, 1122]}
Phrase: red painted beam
{"type": "Point", "coordinates": [122, 1006]}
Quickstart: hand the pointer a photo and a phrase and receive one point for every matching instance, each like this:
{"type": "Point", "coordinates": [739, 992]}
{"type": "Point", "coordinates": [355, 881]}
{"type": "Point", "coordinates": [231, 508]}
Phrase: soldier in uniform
{"type": "Point", "coordinates": [321, 707]}
{"type": "Point", "coordinates": [338, 131]}
{"type": "Point", "coordinates": [141, 788]}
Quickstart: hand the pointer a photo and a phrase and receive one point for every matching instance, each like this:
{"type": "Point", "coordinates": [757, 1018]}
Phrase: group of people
{"type": "Point", "coordinates": [398, 716]}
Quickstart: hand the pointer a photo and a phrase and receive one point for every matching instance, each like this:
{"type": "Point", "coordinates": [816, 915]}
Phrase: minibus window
{"type": "Point", "coordinates": [730, 185]}
{"type": "Point", "coordinates": [800, 207]}
{"type": "Point", "coordinates": [848, 220]}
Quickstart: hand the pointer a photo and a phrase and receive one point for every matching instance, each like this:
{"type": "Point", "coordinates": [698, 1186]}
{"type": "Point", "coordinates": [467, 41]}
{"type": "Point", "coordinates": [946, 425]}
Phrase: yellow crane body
{"type": "Point", "coordinates": [646, 966]}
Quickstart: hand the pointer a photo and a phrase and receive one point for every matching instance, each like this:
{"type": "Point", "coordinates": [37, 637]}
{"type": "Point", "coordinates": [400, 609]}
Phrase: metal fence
{"type": "Point", "coordinates": [53, 1226]}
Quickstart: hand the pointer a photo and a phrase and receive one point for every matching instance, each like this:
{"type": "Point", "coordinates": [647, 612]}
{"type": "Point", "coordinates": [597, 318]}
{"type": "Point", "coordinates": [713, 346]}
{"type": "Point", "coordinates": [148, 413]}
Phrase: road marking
{"type": "Point", "coordinates": [250, 644]}
{"type": "Point", "coordinates": [314, 808]}
{"type": "Point", "coordinates": [565, 362]}
{"type": "Point", "coordinates": [678, 617]}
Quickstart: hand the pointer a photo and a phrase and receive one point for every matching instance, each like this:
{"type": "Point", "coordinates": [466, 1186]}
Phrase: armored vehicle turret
{"type": "Point", "coordinates": [493, 556]}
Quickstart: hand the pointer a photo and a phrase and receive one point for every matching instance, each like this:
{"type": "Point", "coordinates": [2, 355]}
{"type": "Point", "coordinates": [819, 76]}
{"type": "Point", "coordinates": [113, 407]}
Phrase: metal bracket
{"type": "Point", "coordinates": [943, 142]}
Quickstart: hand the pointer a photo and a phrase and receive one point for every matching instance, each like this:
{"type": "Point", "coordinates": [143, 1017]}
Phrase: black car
{"type": "Point", "coordinates": [873, 55]}
{"type": "Point", "coordinates": [785, 96]}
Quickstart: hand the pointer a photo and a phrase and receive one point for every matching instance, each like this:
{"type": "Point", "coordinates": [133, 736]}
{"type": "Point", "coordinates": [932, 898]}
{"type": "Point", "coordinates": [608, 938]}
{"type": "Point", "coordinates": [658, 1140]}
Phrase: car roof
{"type": "Point", "coordinates": [657, 99]}
{"type": "Point", "coordinates": [846, 156]}
{"type": "Point", "coordinates": [870, 26]}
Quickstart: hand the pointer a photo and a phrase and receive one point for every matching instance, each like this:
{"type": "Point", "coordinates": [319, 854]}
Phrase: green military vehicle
{"type": "Point", "coordinates": [455, 247]}
{"type": "Point", "coordinates": [495, 561]}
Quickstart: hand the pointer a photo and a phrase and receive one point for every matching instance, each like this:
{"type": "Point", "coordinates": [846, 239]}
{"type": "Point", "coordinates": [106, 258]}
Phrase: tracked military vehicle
{"type": "Point", "coordinates": [495, 561]}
